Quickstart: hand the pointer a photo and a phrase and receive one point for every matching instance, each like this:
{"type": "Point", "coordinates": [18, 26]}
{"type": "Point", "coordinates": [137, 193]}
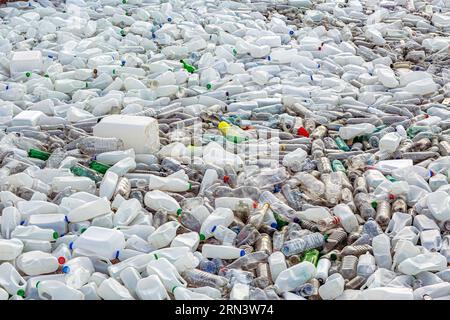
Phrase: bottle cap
{"type": "Point", "coordinates": [242, 253]}
{"type": "Point", "coordinates": [202, 237]}
{"type": "Point", "coordinates": [223, 125]}
{"type": "Point", "coordinates": [61, 260]}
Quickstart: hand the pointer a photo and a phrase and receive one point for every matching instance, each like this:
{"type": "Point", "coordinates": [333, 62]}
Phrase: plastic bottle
{"type": "Point", "coordinates": [295, 276]}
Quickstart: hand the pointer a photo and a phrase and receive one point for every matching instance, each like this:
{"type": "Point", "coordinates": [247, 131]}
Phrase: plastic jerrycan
{"type": "Point", "coordinates": [57, 290]}
{"type": "Point", "coordinates": [164, 235]}
{"type": "Point", "coordinates": [100, 241]}
{"type": "Point", "coordinates": [295, 276]}
{"type": "Point", "coordinates": [151, 288]}
{"type": "Point", "coordinates": [157, 199]}
{"type": "Point", "coordinates": [189, 239]}
{"type": "Point", "coordinates": [111, 289]}
{"type": "Point", "coordinates": [167, 273]}
{"type": "Point", "coordinates": [130, 277]}
{"type": "Point", "coordinates": [35, 263]}
{"type": "Point", "coordinates": [10, 249]}
{"type": "Point", "coordinates": [11, 280]}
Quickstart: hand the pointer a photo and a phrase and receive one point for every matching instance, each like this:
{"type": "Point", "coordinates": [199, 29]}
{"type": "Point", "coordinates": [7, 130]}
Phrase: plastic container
{"type": "Point", "coordinates": [100, 241]}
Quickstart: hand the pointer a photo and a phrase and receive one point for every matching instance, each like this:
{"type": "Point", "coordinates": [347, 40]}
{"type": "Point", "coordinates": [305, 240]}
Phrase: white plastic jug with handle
{"type": "Point", "coordinates": [111, 289]}
{"type": "Point", "coordinates": [167, 273]}
{"type": "Point", "coordinates": [439, 204]}
{"type": "Point", "coordinates": [89, 210]}
{"type": "Point", "coordinates": [346, 216]}
{"type": "Point", "coordinates": [130, 277]}
{"type": "Point", "coordinates": [221, 252]}
{"type": "Point", "coordinates": [139, 262]}
{"type": "Point", "coordinates": [381, 245]}
{"type": "Point", "coordinates": [354, 130]}
{"type": "Point", "coordinates": [76, 183]}
{"type": "Point", "coordinates": [3, 295]}
{"type": "Point", "coordinates": [123, 166]}
{"type": "Point", "coordinates": [182, 293]}
{"type": "Point", "coordinates": [35, 263]}
{"type": "Point", "coordinates": [164, 235]}
{"type": "Point", "coordinates": [387, 293]}
{"type": "Point", "coordinates": [323, 267]}
{"type": "Point", "coordinates": [10, 249]}
{"type": "Point", "coordinates": [10, 220]}
{"type": "Point", "coordinates": [151, 288]}
{"type": "Point", "coordinates": [11, 280]}
{"type": "Point", "coordinates": [333, 287]}
{"type": "Point", "coordinates": [34, 233]}
{"type": "Point", "coordinates": [295, 276]}
{"type": "Point", "coordinates": [390, 142]}
{"type": "Point", "coordinates": [100, 241]}
{"type": "Point", "coordinates": [57, 290]}
{"type": "Point", "coordinates": [404, 249]}
{"type": "Point", "coordinates": [190, 240]}
{"type": "Point", "coordinates": [78, 271]}
{"type": "Point", "coordinates": [127, 212]}
{"type": "Point", "coordinates": [220, 216]}
{"type": "Point", "coordinates": [434, 291]}
{"type": "Point", "coordinates": [108, 185]}
{"type": "Point", "coordinates": [176, 182]}
{"type": "Point", "coordinates": [157, 199]}
{"type": "Point", "coordinates": [430, 261]}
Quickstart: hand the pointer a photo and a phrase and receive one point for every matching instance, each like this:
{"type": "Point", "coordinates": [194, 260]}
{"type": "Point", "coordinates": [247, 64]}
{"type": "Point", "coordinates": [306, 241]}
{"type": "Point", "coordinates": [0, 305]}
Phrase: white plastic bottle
{"type": "Point", "coordinates": [111, 289]}
{"type": "Point", "coordinates": [151, 288]}
{"type": "Point", "coordinates": [127, 212]}
{"type": "Point", "coordinates": [99, 241]}
{"type": "Point", "coordinates": [123, 166]}
{"type": "Point", "coordinates": [351, 131]}
{"type": "Point", "coordinates": [221, 252]}
{"type": "Point", "coordinates": [10, 220]}
{"type": "Point", "coordinates": [295, 276]}
{"type": "Point", "coordinates": [157, 199]}
{"type": "Point", "coordinates": [277, 264]}
{"type": "Point", "coordinates": [189, 239]}
{"type": "Point", "coordinates": [224, 234]}
{"type": "Point", "coordinates": [366, 265]}
{"type": "Point", "coordinates": [130, 277]}
{"type": "Point", "coordinates": [220, 216]}
{"type": "Point", "coordinates": [430, 261]}
{"type": "Point", "coordinates": [166, 272]}
{"type": "Point", "coordinates": [11, 280]}
{"type": "Point", "coordinates": [34, 233]}
{"type": "Point", "coordinates": [37, 262]}
{"type": "Point", "coordinates": [390, 142]}
{"type": "Point", "coordinates": [323, 267]}
{"type": "Point", "coordinates": [164, 235]}
{"type": "Point", "coordinates": [171, 183]}
{"type": "Point", "coordinates": [78, 271]}
{"type": "Point", "coordinates": [108, 185]}
{"type": "Point", "coordinates": [57, 290]}
{"type": "Point", "coordinates": [381, 245]}
{"type": "Point", "coordinates": [347, 217]}
{"type": "Point", "coordinates": [333, 287]}
{"type": "Point", "coordinates": [387, 293]}
{"type": "Point", "coordinates": [89, 210]}
{"type": "Point", "coordinates": [10, 249]}
{"type": "Point", "coordinates": [182, 293]}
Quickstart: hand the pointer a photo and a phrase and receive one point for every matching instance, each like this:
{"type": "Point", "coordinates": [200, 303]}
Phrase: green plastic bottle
{"type": "Point", "coordinates": [82, 171]}
{"type": "Point", "coordinates": [341, 144]}
{"type": "Point", "coordinates": [338, 166]}
{"type": "Point", "coordinates": [99, 167]}
{"type": "Point", "coordinates": [189, 68]}
{"type": "Point", "coordinates": [312, 256]}
{"type": "Point", "coordinates": [281, 221]}
{"type": "Point", "coordinates": [38, 154]}
{"type": "Point", "coordinates": [414, 130]}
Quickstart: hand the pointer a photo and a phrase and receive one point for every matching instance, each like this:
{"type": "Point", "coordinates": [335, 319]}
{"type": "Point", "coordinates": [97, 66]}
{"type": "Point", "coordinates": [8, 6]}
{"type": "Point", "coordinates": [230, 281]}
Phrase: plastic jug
{"type": "Point", "coordinates": [151, 288]}
{"type": "Point", "coordinates": [11, 280]}
{"type": "Point", "coordinates": [381, 245]}
{"type": "Point", "coordinates": [56, 290]}
{"type": "Point", "coordinates": [37, 262]}
{"type": "Point", "coordinates": [167, 273]}
{"type": "Point", "coordinates": [295, 276]}
{"type": "Point", "coordinates": [164, 235]}
{"type": "Point", "coordinates": [111, 289]}
{"type": "Point", "coordinates": [157, 199]}
{"type": "Point", "coordinates": [221, 251]}
{"type": "Point", "coordinates": [430, 261]}
{"type": "Point", "coordinates": [10, 249]}
{"type": "Point", "coordinates": [100, 241]}
{"type": "Point", "coordinates": [333, 287]}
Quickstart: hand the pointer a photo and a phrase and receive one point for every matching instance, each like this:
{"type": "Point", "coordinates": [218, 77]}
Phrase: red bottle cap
{"type": "Point", "coordinates": [302, 132]}
{"type": "Point", "coordinates": [226, 179]}
{"type": "Point", "coordinates": [61, 260]}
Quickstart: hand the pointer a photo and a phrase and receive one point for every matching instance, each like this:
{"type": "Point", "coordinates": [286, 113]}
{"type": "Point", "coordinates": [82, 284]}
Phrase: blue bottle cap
{"type": "Point", "coordinates": [242, 253]}
{"type": "Point", "coordinates": [117, 254]}
{"type": "Point", "coordinates": [71, 246]}
{"type": "Point", "coordinates": [213, 228]}
{"type": "Point", "coordinates": [291, 32]}
{"type": "Point", "coordinates": [274, 225]}
{"type": "Point", "coordinates": [65, 269]}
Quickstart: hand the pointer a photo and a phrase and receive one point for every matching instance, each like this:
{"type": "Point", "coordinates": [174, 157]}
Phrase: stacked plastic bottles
{"type": "Point", "coordinates": [235, 150]}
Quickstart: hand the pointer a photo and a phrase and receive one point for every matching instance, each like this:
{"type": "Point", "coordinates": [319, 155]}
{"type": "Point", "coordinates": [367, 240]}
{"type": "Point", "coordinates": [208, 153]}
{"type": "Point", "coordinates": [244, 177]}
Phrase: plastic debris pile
{"type": "Point", "coordinates": [225, 150]}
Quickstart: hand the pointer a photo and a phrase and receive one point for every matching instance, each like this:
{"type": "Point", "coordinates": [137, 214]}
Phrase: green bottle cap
{"type": "Point", "coordinates": [374, 204]}
{"type": "Point", "coordinates": [190, 186]}
{"type": "Point", "coordinates": [28, 74]}
{"type": "Point", "coordinates": [82, 230]}
{"type": "Point", "coordinates": [21, 292]}
{"type": "Point", "coordinates": [202, 237]}
{"type": "Point", "coordinates": [55, 235]}
{"type": "Point", "coordinates": [37, 284]}
{"type": "Point", "coordinates": [209, 86]}
{"type": "Point", "coordinates": [179, 211]}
